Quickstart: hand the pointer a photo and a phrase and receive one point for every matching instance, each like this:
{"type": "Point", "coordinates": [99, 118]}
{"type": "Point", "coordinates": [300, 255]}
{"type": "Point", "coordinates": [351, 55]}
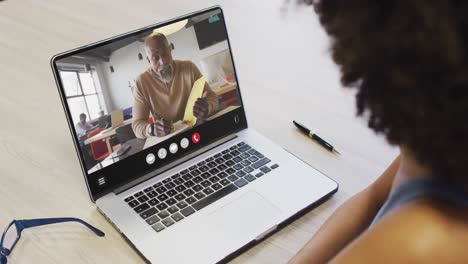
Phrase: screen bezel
{"type": "Point", "coordinates": [119, 173]}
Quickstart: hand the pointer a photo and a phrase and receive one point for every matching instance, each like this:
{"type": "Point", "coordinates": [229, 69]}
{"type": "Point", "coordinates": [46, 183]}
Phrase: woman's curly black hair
{"type": "Point", "coordinates": [408, 60]}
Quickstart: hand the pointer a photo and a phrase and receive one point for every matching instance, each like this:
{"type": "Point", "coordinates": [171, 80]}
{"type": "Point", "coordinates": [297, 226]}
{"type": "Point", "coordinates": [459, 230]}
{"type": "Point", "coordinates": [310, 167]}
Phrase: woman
{"type": "Point", "coordinates": [408, 60]}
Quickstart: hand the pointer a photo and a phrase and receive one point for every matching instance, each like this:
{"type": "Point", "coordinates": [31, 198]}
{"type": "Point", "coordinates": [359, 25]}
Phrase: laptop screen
{"type": "Point", "coordinates": [144, 99]}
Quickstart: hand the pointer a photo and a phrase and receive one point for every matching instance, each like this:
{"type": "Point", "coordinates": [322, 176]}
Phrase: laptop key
{"type": "Point", "coordinates": [180, 197]}
{"type": "Point", "coordinates": [161, 206]}
{"type": "Point", "coordinates": [260, 163]}
{"type": "Point", "coordinates": [201, 163]}
{"type": "Point", "coordinates": [128, 199]}
{"type": "Point", "coordinates": [148, 189]}
{"type": "Point", "coordinates": [163, 214]}
{"type": "Point", "coordinates": [230, 171]}
{"type": "Point", "coordinates": [237, 159]}
{"type": "Point", "coordinates": [260, 155]}
{"type": "Point", "coordinates": [187, 177]}
{"type": "Point", "coordinates": [178, 181]}
{"type": "Point", "coordinates": [241, 144]}
{"type": "Point", "coordinates": [217, 155]}
{"type": "Point", "coordinates": [152, 194]}
{"type": "Point", "coordinates": [244, 155]}
{"type": "Point", "coordinates": [214, 171]}
{"type": "Point", "coordinates": [182, 204]}
{"type": "Point", "coordinates": [227, 157]}
{"type": "Point", "coordinates": [153, 202]}
{"type": "Point", "coordinates": [141, 208]}
{"type": "Point", "coordinates": [244, 148]}
{"type": "Point", "coordinates": [197, 179]}
{"type": "Point", "coordinates": [230, 163]}
{"type": "Point", "coordinates": [168, 179]}
{"type": "Point", "coordinates": [143, 198]}
{"type": "Point", "coordinates": [189, 184]}
{"type": "Point", "coordinates": [235, 153]}
{"type": "Point", "coordinates": [138, 194]}
{"type": "Point", "coordinates": [216, 186]}
{"type": "Point", "coordinates": [171, 193]}
{"type": "Point", "coordinates": [225, 182]}
{"type": "Point", "coordinates": [148, 213]}
{"type": "Point", "coordinates": [208, 191]}
{"type": "Point", "coordinates": [158, 227]}
{"type": "Point", "coordinates": [265, 169]}
{"type": "Point", "coordinates": [274, 166]}
{"type": "Point", "coordinates": [169, 185]}
{"type": "Point", "coordinates": [190, 200]}
{"type": "Point", "coordinates": [212, 165]}
{"type": "Point", "coordinates": [195, 172]}
{"type": "Point", "coordinates": [168, 222]}
{"type": "Point", "coordinates": [233, 147]}
{"type": "Point", "coordinates": [161, 189]}
{"type": "Point", "coordinates": [162, 197]}
{"type": "Point", "coordinates": [251, 151]}
{"type": "Point", "coordinates": [222, 175]}
{"type": "Point", "coordinates": [260, 174]}
{"type": "Point", "coordinates": [203, 168]}
{"type": "Point", "coordinates": [172, 209]}
{"type": "Point", "coordinates": [253, 158]}
{"type": "Point", "coordinates": [187, 211]}
{"type": "Point", "coordinates": [159, 184]}
{"type": "Point", "coordinates": [193, 167]}
{"type": "Point", "coordinates": [233, 178]}
{"type": "Point", "coordinates": [177, 217]}
{"type": "Point", "coordinates": [152, 220]}
{"type": "Point", "coordinates": [189, 192]}
{"type": "Point", "coordinates": [206, 175]}
{"type": "Point", "coordinates": [250, 177]}
{"type": "Point", "coordinates": [133, 203]}
{"type": "Point", "coordinates": [214, 179]}
{"type": "Point", "coordinates": [199, 195]}
{"type": "Point", "coordinates": [238, 166]}
{"type": "Point", "coordinates": [171, 201]}
{"type": "Point", "coordinates": [175, 176]}
{"type": "Point", "coordinates": [214, 197]}
{"type": "Point", "coordinates": [248, 169]}
{"type": "Point", "coordinates": [197, 188]}
{"type": "Point", "coordinates": [184, 172]}
{"type": "Point", "coordinates": [241, 173]}
{"type": "Point", "coordinates": [180, 188]}
{"type": "Point", "coordinates": [222, 167]}
{"type": "Point", "coordinates": [206, 183]}
{"type": "Point", "coordinates": [225, 151]}
{"type": "Point", "coordinates": [240, 182]}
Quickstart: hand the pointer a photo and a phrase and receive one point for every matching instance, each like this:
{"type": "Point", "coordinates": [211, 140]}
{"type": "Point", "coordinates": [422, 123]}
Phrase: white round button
{"type": "Point", "coordinates": [173, 148]}
{"type": "Point", "coordinates": [162, 153]}
{"type": "Point", "coordinates": [184, 143]}
{"type": "Point", "coordinates": [150, 158]}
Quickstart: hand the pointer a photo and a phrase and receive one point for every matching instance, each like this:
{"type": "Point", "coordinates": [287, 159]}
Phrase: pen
{"type": "Point", "coordinates": [315, 137]}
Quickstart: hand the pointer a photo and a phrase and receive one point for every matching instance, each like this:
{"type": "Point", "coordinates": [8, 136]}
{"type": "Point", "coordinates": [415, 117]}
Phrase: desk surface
{"type": "Point", "coordinates": [284, 73]}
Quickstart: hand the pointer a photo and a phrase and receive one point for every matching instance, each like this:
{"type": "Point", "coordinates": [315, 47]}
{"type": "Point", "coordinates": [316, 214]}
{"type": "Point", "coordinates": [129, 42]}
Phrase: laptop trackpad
{"type": "Point", "coordinates": [245, 215]}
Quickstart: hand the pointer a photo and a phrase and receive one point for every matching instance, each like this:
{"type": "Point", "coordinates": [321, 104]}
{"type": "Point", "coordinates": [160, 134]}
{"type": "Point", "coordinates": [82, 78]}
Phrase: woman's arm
{"type": "Point", "coordinates": [348, 221]}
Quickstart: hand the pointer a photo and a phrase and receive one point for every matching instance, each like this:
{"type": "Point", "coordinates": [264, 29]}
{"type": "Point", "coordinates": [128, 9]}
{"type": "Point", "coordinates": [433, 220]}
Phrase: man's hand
{"type": "Point", "coordinates": [163, 127]}
{"type": "Point", "coordinates": [200, 109]}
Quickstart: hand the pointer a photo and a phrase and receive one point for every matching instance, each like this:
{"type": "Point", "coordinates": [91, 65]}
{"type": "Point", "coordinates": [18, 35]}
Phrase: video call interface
{"type": "Point", "coordinates": [144, 89]}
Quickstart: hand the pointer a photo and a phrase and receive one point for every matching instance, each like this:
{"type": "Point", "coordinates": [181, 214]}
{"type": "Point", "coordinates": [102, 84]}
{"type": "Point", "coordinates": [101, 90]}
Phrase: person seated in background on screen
{"type": "Point", "coordinates": [83, 127]}
{"type": "Point", "coordinates": [163, 90]}
{"type": "Point", "coordinates": [408, 61]}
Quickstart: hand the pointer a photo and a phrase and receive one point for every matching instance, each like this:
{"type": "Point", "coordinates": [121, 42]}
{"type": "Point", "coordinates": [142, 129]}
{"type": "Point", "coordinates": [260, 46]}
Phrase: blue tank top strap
{"type": "Point", "coordinates": [436, 187]}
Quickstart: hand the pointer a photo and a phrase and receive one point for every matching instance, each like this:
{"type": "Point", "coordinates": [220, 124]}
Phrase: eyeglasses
{"type": "Point", "coordinates": [9, 241]}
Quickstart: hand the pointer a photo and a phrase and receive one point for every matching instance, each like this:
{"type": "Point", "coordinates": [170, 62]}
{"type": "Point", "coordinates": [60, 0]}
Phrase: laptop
{"type": "Point", "coordinates": [203, 195]}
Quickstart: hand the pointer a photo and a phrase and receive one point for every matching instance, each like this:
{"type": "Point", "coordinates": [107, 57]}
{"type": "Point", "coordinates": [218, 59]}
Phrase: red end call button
{"type": "Point", "coordinates": [195, 138]}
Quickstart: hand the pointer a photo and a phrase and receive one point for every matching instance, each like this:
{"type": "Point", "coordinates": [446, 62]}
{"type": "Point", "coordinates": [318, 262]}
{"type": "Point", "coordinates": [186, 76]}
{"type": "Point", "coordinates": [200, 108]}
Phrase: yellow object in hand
{"type": "Point", "coordinates": [197, 92]}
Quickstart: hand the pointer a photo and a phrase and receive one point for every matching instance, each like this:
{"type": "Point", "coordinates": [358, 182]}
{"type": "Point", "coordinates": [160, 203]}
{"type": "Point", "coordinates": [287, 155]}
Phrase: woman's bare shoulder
{"type": "Point", "coordinates": [421, 231]}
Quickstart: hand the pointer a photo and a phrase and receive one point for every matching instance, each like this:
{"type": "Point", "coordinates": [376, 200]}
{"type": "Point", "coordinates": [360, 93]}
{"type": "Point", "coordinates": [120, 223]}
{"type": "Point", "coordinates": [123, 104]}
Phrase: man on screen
{"type": "Point", "coordinates": [163, 90]}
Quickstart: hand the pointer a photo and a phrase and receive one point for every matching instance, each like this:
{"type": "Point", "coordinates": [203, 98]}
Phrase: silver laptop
{"type": "Point", "coordinates": [203, 194]}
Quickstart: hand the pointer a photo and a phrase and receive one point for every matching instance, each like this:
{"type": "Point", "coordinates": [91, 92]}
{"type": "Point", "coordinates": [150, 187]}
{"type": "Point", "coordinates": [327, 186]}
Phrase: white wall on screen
{"type": "Point", "coordinates": [127, 66]}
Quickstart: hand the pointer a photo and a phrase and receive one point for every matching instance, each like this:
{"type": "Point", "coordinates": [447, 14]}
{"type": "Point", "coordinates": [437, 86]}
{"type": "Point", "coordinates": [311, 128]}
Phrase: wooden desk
{"type": "Point", "coordinates": [284, 73]}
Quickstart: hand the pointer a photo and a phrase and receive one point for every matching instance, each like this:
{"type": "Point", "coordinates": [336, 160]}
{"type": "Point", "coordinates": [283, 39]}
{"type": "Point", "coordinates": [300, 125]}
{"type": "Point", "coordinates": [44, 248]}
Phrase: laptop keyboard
{"type": "Point", "coordinates": [177, 197]}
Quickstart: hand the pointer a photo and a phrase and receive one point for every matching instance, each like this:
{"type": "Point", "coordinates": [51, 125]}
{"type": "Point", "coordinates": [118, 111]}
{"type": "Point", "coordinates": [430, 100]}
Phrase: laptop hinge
{"type": "Point", "coordinates": [173, 164]}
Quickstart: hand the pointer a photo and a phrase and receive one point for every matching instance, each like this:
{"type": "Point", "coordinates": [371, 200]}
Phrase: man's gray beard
{"type": "Point", "coordinates": [166, 73]}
